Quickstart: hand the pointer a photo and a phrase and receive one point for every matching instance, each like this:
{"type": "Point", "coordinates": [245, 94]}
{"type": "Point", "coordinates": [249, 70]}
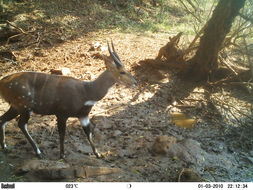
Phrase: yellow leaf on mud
{"type": "Point", "coordinates": [185, 123]}
{"type": "Point", "coordinates": [177, 115]}
{"type": "Point", "coordinates": [181, 120]}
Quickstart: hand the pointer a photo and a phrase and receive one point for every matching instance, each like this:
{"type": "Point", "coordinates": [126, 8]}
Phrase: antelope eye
{"type": "Point", "coordinates": [122, 72]}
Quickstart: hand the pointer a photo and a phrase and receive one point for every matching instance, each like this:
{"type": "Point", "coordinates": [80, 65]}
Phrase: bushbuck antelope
{"type": "Point", "coordinates": [62, 96]}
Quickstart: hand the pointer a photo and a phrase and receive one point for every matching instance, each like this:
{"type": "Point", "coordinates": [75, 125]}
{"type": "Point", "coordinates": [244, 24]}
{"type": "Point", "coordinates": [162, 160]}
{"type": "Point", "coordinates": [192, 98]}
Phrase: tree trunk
{"type": "Point", "coordinates": [205, 59]}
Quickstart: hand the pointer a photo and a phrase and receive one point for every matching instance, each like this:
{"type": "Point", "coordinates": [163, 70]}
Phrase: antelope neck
{"type": "Point", "coordinates": [99, 87]}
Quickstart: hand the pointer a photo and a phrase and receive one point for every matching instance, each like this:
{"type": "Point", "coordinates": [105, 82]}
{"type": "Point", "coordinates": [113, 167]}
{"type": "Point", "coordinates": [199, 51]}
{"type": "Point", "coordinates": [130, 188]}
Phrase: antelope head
{"type": "Point", "coordinates": [116, 67]}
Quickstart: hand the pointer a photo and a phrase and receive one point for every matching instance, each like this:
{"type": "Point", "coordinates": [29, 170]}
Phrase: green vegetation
{"type": "Point", "coordinates": [128, 16]}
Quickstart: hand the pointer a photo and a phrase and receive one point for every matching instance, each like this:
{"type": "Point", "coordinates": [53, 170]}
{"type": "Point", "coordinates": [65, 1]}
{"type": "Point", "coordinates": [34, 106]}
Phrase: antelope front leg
{"type": "Point", "coordinates": [85, 122]}
{"type": "Point", "coordinates": [61, 125]}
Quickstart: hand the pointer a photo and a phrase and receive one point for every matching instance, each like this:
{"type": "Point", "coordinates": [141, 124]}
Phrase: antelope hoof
{"type": "Point", "coordinates": [62, 156]}
{"type": "Point", "coordinates": [6, 149]}
{"type": "Point", "coordinates": [98, 155]}
{"type": "Point", "coordinates": [40, 156]}
{"type": "Point", "coordinates": [4, 146]}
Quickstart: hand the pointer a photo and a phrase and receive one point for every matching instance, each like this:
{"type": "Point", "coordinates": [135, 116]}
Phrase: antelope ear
{"type": "Point", "coordinates": [109, 63]}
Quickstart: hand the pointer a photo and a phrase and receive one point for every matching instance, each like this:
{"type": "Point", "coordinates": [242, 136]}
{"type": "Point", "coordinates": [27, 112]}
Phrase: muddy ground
{"type": "Point", "coordinates": [128, 120]}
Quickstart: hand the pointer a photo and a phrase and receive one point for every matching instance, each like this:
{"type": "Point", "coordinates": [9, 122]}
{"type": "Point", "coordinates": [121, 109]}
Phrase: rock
{"type": "Point", "coordinates": [71, 173]}
{"type": "Point", "coordinates": [52, 174]}
{"type": "Point", "coordinates": [116, 133]}
{"type": "Point", "coordinates": [31, 165]}
{"type": "Point", "coordinates": [81, 147]}
{"type": "Point", "coordinates": [187, 150]}
{"type": "Point", "coordinates": [125, 153]}
{"type": "Point", "coordinates": [96, 46]}
{"type": "Point", "coordinates": [63, 71]}
{"type": "Point", "coordinates": [90, 171]}
{"type": "Point", "coordinates": [55, 170]}
{"type": "Point", "coordinates": [162, 144]}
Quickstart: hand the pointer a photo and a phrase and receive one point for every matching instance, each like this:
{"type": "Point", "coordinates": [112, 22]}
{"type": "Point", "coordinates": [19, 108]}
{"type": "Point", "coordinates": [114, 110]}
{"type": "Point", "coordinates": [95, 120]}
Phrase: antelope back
{"type": "Point", "coordinates": [42, 93]}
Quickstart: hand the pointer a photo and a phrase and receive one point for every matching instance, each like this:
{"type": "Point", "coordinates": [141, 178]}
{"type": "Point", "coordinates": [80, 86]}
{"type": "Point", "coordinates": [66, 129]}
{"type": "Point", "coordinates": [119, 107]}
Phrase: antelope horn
{"type": "Point", "coordinates": [114, 56]}
{"type": "Point", "coordinates": [114, 50]}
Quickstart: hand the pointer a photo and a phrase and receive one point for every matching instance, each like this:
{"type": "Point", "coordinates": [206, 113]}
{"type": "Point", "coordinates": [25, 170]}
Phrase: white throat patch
{"type": "Point", "coordinates": [90, 103]}
{"type": "Point", "coordinates": [84, 121]}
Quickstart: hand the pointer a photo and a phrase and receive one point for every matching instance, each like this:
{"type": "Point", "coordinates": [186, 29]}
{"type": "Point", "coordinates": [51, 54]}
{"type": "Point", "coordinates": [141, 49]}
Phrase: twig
{"type": "Point", "coordinates": [246, 17]}
{"type": "Point", "coordinates": [235, 34]}
{"type": "Point", "coordinates": [231, 106]}
{"type": "Point", "coordinates": [187, 10]}
{"type": "Point", "coordinates": [8, 40]}
{"type": "Point", "coordinates": [193, 100]}
{"type": "Point", "coordinates": [184, 106]}
{"type": "Point", "coordinates": [18, 28]}
{"type": "Point", "coordinates": [241, 83]}
{"type": "Point", "coordinates": [196, 37]}
{"type": "Point", "coordinates": [11, 61]}
{"type": "Point", "coordinates": [248, 56]}
{"type": "Point", "coordinates": [180, 174]}
{"type": "Point", "coordinates": [227, 65]}
{"type": "Point", "coordinates": [211, 10]}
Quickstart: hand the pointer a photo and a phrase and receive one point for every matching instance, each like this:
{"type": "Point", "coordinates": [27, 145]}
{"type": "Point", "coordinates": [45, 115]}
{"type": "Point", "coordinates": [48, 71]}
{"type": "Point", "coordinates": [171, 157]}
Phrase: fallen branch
{"type": "Point", "coordinates": [244, 76]}
{"type": "Point", "coordinates": [22, 32]}
{"type": "Point", "coordinates": [223, 61]}
{"type": "Point", "coordinates": [18, 28]}
{"type": "Point", "coordinates": [14, 36]}
{"type": "Point", "coordinates": [248, 56]}
{"type": "Point", "coordinates": [228, 108]}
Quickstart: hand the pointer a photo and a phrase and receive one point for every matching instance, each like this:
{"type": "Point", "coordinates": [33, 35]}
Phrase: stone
{"type": "Point", "coordinates": [116, 133]}
{"type": "Point", "coordinates": [162, 144]}
{"type": "Point", "coordinates": [56, 170]}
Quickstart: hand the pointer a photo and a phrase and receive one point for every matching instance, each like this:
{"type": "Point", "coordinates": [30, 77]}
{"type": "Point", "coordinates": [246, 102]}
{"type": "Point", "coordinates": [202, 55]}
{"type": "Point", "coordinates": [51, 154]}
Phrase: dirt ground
{"type": "Point", "coordinates": [127, 121]}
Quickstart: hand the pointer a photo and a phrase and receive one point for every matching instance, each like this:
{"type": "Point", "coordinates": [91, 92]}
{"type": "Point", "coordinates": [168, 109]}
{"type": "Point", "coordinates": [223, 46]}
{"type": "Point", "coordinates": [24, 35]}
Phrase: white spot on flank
{"type": "Point", "coordinates": [16, 83]}
{"type": "Point", "coordinates": [84, 121]}
{"type": "Point", "coordinates": [90, 103]}
{"type": "Point", "coordinates": [23, 86]}
{"type": "Point", "coordinates": [29, 94]}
